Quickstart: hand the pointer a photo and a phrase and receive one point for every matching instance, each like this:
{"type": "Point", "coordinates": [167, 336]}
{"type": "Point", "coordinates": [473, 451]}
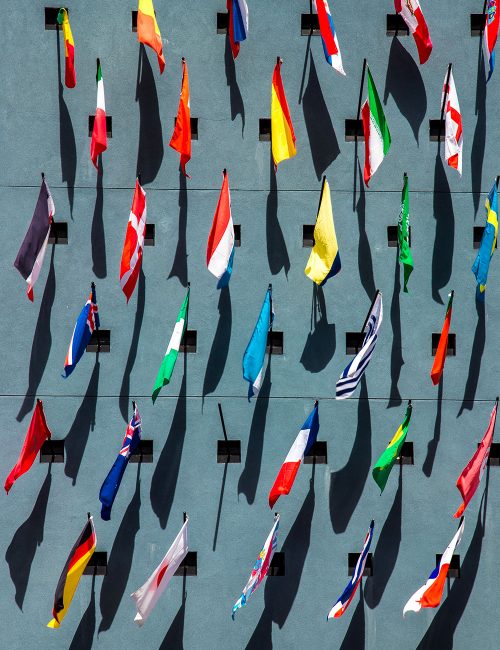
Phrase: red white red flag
{"type": "Point", "coordinates": [134, 243]}
{"type": "Point", "coordinates": [411, 12]}
{"type": "Point", "coordinates": [453, 123]}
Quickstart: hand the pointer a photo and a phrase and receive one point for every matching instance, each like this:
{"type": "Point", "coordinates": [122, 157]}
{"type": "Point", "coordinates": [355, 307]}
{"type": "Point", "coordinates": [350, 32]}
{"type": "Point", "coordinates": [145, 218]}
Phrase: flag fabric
{"type": "Point", "coordinates": [112, 481]}
{"type": "Point", "coordinates": [181, 137]}
{"type": "Point", "coordinates": [147, 596]}
{"type": "Point", "coordinates": [324, 260]}
{"type": "Point", "coordinates": [348, 594]}
{"type": "Point", "coordinates": [453, 143]}
{"type": "Point", "coordinates": [220, 244]}
{"type": "Point", "coordinates": [329, 36]}
{"type": "Point", "coordinates": [481, 265]}
{"type": "Point", "coordinates": [148, 31]}
{"type": "Point", "coordinates": [99, 142]}
{"type": "Point", "coordinates": [430, 594]}
{"type": "Point", "coordinates": [441, 351]}
{"type": "Point", "coordinates": [87, 322]}
{"type": "Point", "coordinates": [386, 461]}
{"type": "Point", "coordinates": [253, 359]}
{"type": "Point", "coordinates": [282, 133]}
{"type": "Point", "coordinates": [130, 266]}
{"type": "Point", "coordinates": [351, 376]}
{"type": "Point", "coordinates": [261, 567]}
{"type": "Point", "coordinates": [69, 49]}
{"type": "Point", "coordinates": [375, 129]}
{"type": "Point", "coordinates": [490, 35]}
{"type": "Point", "coordinates": [405, 256]}
{"type": "Point", "coordinates": [303, 443]}
{"type": "Point", "coordinates": [411, 12]}
{"type": "Point", "coordinates": [38, 432]}
{"type": "Point", "coordinates": [469, 479]}
{"type": "Point", "coordinates": [238, 24]}
{"type": "Point", "coordinates": [75, 565]}
{"type": "Point", "coordinates": [168, 363]}
{"type": "Point", "coordinates": [30, 257]}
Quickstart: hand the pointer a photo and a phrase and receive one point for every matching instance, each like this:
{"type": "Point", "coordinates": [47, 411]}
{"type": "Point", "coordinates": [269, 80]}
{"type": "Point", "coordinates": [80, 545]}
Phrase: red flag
{"type": "Point", "coordinates": [38, 433]}
{"type": "Point", "coordinates": [181, 137]}
{"type": "Point", "coordinates": [440, 358]}
{"type": "Point", "coordinates": [134, 242]}
{"type": "Point", "coordinates": [411, 13]}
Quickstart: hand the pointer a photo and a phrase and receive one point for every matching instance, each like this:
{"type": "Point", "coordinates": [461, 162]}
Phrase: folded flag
{"type": "Point", "coordinates": [30, 257]}
{"type": "Point", "coordinates": [405, 256]}
{"type": "Point", "coordinates": [75, 565]}
{"type": "Point", "coordinates": [490, 35]}
{"type": "Point", "coordinates": [481, 264]}
{"type": "Point", "coordinates": [87, 322]}
{"type": "Point", "coordinates": [329, 36]}
{"type": "Point", "coordinates": [282, 133]}
{"type": "Point", "coordinates": [69, 49]}
{"type": "Point", "coordinates": [99, 142]}
{"type": "Point", "coordinates": [386, 461]}
{"type": "Point", "coordinates": [453, 143]}
{"type": "Point", "coordinates": [411, 12]}
{"type": "Point", "coordinates": [430, 594]}
{"type": "Point", "coordinates": [220, 244]}
{"type": "Point", "coordinates": [253, 359]}
{"type": "Point", "coordinates": [238, 24]}
{"type": "Point", "coordinates": [130, 266]}
{"type": "Point", "coordinates": [148, 31]}
{"type": "Point", "coordinates": [375, 129]}
{"type": "Point", "coordinates": [181, 137]}
{"type": "Point", "coordinates": [442, 348]}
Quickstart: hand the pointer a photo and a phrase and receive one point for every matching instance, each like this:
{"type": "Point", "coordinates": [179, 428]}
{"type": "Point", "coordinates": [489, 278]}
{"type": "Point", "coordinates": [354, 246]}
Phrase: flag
{"type": "Point", "coordinates": [411, 12]}
{"type": "Point", "coordinates": [75, 565]}
{"type": "Point", "coordinates": [238, 23]}
{"type": "Point", "coordinates": [488, 243]}
{"type": "Point", "coordinates": [405, 256]}
{"type": "Point", "coordinates": [282, 134]}
{"type": "Point", "coordinates": [112, 481]}
{"type": "Point", "coordinates": [490, 35]}
{"type": "Point", "coordinates": [181, 137]}
{"type": "Point", "coordinates": [329, 36]}
{"type": "Point", "coordinates": [386, 461]}
{"type": "Point", "coordinates": [261, 567]}
{"type": "Point", "coordinates": [375, 129]}
{"type": "Point", "coordinates": [351, 376]}
{"type": "Point", "coordinates": [440, 358]}
{"type": "Point", "coordinates": [348, 594]}
{"type": "Point", "coordinates": [303, 443]}
{"type": "Point", "coordinates": [253, 359]}
{"type": "Point", "coordinates": [69, 49]}
{"type": "Point", "coordinates": [469, 479]}
{"type": "Point", "coordinates": [168, 363]}
{"type": "Point", "coordinates": [99, 142]}
{"type": "Point", "coordinates": [130, 266]}
{"type": "Point", "coordinates": [220, 244]}
{"type": "Point", "coordinates": [87, 322]}
{"type": "Point", "coordinates": [38, 432]}
{"type": "Point", "coordinates": [453, 144]}
{"type": "Point", "coordinates": [147, 596]}
{"type": "Point", "coordinates": [148, 31]}
{"type": "Point", "coordinates": [430, 594]}
{"type": "Point", "coordinates": [30, 257]}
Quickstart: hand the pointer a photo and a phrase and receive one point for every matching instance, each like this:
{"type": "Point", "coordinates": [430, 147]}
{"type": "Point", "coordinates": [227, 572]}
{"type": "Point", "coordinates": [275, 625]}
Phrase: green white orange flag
{"type": "Point", "coordinates": [386, 461]}
{"type": "Point", "coordinates": [99, 142]}
{"type": "Point", "coordinates": [375, 129]}
{"type": "Point", "coordinates": [282, 133]}
{"type": "Point", "coordinates": [442, 348]}
{"type": "Point", "coordinates": [69, 48]}
{"type": "Point", "coordinates": [405, 256]}
{"type": "Point", "coordinates": [148, 31]}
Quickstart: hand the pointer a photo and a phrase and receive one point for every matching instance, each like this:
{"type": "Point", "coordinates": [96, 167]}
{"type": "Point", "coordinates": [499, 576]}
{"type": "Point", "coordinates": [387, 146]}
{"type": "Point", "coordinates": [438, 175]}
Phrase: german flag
{"type": "Point", "coordinates": [75, 565]}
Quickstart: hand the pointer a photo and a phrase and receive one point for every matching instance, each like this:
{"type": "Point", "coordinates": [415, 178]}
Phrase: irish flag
{"type": "Point", "coordinates": [386, 461]}
{"type": "Point", "coordinates": [148, 31]}
{"type": "Point", "coordinates": [440, 358]}
{"type": "Point", "coordinates": [69, 49]}
{"type": "Point", "coordinates": [99, 142]}
{"type": "Point", "coordinates": [282, 134]}
{"type": "Point", "coordinates": [375, 129]}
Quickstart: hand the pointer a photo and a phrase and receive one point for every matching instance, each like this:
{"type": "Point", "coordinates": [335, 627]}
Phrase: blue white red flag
{"type": "Point", "coordinates": [490, 35]}
{"type": "Point", "coordinates": [329, 36]}
{"type": "Point", "coordinates": [220, 244]}
{"type": "Point", "coordinates": [238, 24]}
{"type": "Point", "coordinates": [87, 322]}
{"type": "Point", "coordinates": [253, 359]}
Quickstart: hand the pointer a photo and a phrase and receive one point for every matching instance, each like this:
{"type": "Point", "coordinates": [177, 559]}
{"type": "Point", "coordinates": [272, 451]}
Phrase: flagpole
{"type": "Point", "coordinates": [363, 73]}
{"type": "Point", "coordinates": [369, 311]}
{"type": "Point", "coordinates": [92, 288]}
{"type": "Point", "coordinates": [270, 289]}
{"type": "Point", "coordinates": [321, 194]}
{"type": "Point", "coordinates": [184, 514]}
{"type": "Point", "coordinates": [443, 107]}
{"type": "Point", "coordinates": [222, 423]}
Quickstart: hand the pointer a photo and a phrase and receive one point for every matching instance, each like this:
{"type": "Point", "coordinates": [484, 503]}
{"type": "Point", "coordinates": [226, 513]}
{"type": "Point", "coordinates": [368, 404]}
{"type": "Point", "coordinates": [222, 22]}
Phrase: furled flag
{"type": "Point", "coordinates": [148, 31]}
{"type": "Point", "coordinates": [282, 133]}
{"type": "Point", "coordinates": [469, 479]}
{"type": "Point", "coordinates": [147, 596]}
{"type": "Point", "coordinates": [453, 141]}
{"type": "Point", "coordinates": [386, 461]}
{"type": "Point", "coordinates": [405, 256]}
{"type": "Point", "coordinates": [220, 244]}
{"type": "Point", "coordinates": [181, 137]}
{"type": "Point", "coordinates": [303, 443]}
{"type": "Point", "coordinates": [87, 322]}
{"type": "Point", "coordinates": [411, 12]}
{"type": "Point", "coordinates": [69, 49]}
{"type": "Point", "coordinates": [350, 378]}
{"type": "Point", "coordinates": [261, 567]}
{"type": "Point", "coordinates": [329, 36]}
{"type": "Point", "coordinates": [375, 129]}
{"type": "Point", "coordinates": [168, 363]}
{"type": "Point", "coordinates": [38, 432]}
{"type": "Point", "coordinates": [238, 24]}
{"type": "Point", "coordinates": [75, 565]}
{"type": "Point", "coordinates": [99, 142]}
{"type": "Point", "coordinates": [490, 35]}
{"type": "Point", "coordinates": [348, 594]}
{"type": "Point", "coordinates": [442, 348]}
{"type": "Point", "coordinates": [130, 266]}
{"type": "Point", "coordinates": [29, 259]}
{"type": "Point", "coordinates": [481, 265]}
{"type": "Point", "coordinates": [430, 594]}
{"type": "Point", "coordinates": [112, 481]}
{"type": "Point", "coordinates": [253, 359]}
{"type": "Point", "coordinates": [324, 260]}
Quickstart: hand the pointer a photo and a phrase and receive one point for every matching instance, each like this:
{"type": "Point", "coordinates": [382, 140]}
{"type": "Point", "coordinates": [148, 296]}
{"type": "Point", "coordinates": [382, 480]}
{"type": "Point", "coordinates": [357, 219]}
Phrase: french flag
{"type": "Point", "coordinates": [238, 24]}
{"type": "Point", "coordinates": [303, 443]}
{"type": "Point", "coordinates": [329, 36]}
{"type": "Point", "coordinates": [220, 244]}
{"type": "Point", "coordinates": [491, 35]}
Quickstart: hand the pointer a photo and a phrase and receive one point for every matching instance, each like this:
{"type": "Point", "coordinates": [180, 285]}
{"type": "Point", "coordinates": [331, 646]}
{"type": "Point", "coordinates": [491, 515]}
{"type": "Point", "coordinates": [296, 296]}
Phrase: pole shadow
{"type": "Point", "coordinates": [354, 638]}
{"type": "Point", "coordinates": [97, 231]}
{"type": "Point", "coordinates": [397, 361]}
{"type": "Point", "coordinates": [67, 144]}
{"type": "Point", "coordinates": [365, 263]}
{"type": "Point", "coordinates": [475, 360]}
{"type": "Point", "coordinates": [219, 510]}
{"type": "Point", "coordinates": [321, 341]}
{"type": "Point", "coordinates": [235, 98]}
{"type": "Point", "coordinates": [179, 267]}
{"type": "Point", "coordinates": [84, 635]}
{"type": "Point", "coordinates": [220, 345]}
{"type": "Point", "coordinates": [444, 242]}
{"type": "Point", "coordinates": [479, 139]}
{"type": "Point", "coordinates": [174, 638]}
{"type": "Point", "coordinates": [277, 254]}
{"type": "Point", "coordinates": [433, 444]}
{"type": "Point", "coordinates": [262, 637]}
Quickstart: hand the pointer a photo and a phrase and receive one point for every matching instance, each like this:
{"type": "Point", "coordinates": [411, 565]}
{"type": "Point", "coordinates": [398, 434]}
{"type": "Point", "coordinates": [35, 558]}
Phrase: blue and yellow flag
{"type": "Point", "coordinates": [488, 243]}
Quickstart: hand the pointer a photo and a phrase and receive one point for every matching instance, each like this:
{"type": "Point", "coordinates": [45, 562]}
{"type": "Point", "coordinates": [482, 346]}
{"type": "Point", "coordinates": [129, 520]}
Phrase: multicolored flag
{"type": "Point", "coordinates": [405, 256]}
{"type": "Point", "coordinates": [282, 133]}
{"type": "Point", "coordinates": [261, 567]}
{"type": "Point", "coordinates": [220, 244]}
{"type": "Point", "coordinates": [238, 23]}
{"type": "Point", "coordinates": [375, 129]}
{"type": "Point", "coordinates": [481, 264]}
{"type": "Point", "coordinates": [181, 137]}
{"type": "Point", "coordinates": [442, 348]}
{"type": "Point", "coordinates": [253, 359]}
{"type": "Point", "coordinates": [87, 322]}
{"type": "Point", "coordinates": [69, 49]}
{"type": "Point", "coordinates": [148, 31]}
{"type": "Point", "coordinates": [133, 246]}
{"type": "Point", "coordinates": [329, 36]}
{"type": "Point", "coordinates": [386, 461]}
{"type": "Point", "coordinates": [454, 141]}
{"type": "Point", "coordinates": [490, 35]}
{"type": "Point", "coordinates": [99, 142]}
{"type": "Point", "coordinates": [411, 12]}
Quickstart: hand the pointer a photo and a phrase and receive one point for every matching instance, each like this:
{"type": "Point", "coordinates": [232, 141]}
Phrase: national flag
{"type": "Point", "coordinates": [112, 481]}
{"type": "Point", "coordinates": [348, 594]}
{"type": "Point", "coordinates": [329, 36]}
{"type": "Point", "coordinates": [386, 461]}
{"type": "Point", "coordinates": [220, 244]}
{"type": "Point", "coordinates": [148, 31]}
{"type": "Point", "coordinates": [282, 133]}
{"type": "Point", "coordinates": [69, 49]}
{"type": "Point", "coordinates": [168, 363]}
{"type": "Point", "coordinates": [99, 142]}
{"type": "Point", "coordinates": [261, 567]}
{"type": "Point", "coordinates": [181, 137]}
{"type": "Point", "coordinates": [453, 143]}
{"type": "Point", "coordinates": [411, 12]}
{"type": "Point", "coordinates": [375, 129]}
{"type": "Point", "coordinates": [130, 266]}
{"type": "Point", "coordinates": [38, 432]}
{"type": "Point", "coordinates": [253, 359]}
{"type": "Point", "coordinates": [430, 594]}
{"type": "Point", "coordinates": [87, 322]}
{"type": "Point", "coordinates": [351, 376]}
{"type": "Point", "coordinates": [147, 596]}
{"type": "Point", "coordinates": [405, 256]}
{"type": "Point", "coordinates": [238, 24]}
{"type": "Point", "coordinates": [30, 257]}
{"type": "Point", "coordinates": [490, 35]}
{"type": "Point", "coordinates": [303, 443]}
{"type": "Point", "coordinates": [442, 348]}
{"type": "Point", "coordinates": [75, 565]}
{"type": "Point", "coordinates": [481, 264]}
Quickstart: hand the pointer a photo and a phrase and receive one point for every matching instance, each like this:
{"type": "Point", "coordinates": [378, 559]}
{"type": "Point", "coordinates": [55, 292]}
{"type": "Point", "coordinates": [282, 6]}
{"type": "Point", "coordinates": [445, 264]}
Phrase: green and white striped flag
{"type": "Point", "coordinates": [405, 256]}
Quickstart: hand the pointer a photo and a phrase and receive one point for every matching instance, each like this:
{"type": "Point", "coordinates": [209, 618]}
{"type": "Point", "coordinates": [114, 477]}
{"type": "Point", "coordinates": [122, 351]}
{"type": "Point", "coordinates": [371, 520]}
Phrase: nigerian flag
{"type": "Point", "coordinates": [384, 464]}
{"type": "Point", "coordinates": [404, 234]}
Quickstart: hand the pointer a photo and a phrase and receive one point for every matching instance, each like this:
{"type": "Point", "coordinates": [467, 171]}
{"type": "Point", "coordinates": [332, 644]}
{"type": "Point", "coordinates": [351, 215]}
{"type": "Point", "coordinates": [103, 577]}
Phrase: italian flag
{"type": "Point", "coordinates": [386, 461]}
{"type": "Point", "coordinates": [99, 141]}
{"type": "Point", "coordinates": [375, 129]}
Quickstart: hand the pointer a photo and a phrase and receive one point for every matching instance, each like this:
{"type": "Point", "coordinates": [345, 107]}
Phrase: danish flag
{"type": "Point", "coordinates": [134, 242]}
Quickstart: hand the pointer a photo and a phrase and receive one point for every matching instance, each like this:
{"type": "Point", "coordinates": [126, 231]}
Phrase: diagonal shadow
{"type": "Point", "coordinates": [179, 266]}
{"type": "Point", "coordinates": [475, 360]}
{"type": "Point", "coordinates": [444, 242]}
{"type": "Point", "coordinates": [321, 341]}
{"type": "Point", "coordinates": [277, 254]}
{"type": "Point", "coordinates": [354, 638]}
{"type": "Point", "coordinates": [84, 635]}
{"type": "Point", "coordinates": [174, 638]}
{"type": "Point", "coordinates": [365, 263]}
{"type": "Point", "coordinates": [67, 144]}
{"type": "Point", "coordinates": [433, 444]}
{"type": "Point", "coordinates": [397, 361]}
{"type": "Point", "coordinates": [262, 637]}
{"type": "Point", "coordinates": [479, 139]}
{"type": "Point", "coordinates": [220, 345]}
{"type": "Point", "coordinates": [235, 98]}
{"type": "Point", "coordinates": [97, 231]}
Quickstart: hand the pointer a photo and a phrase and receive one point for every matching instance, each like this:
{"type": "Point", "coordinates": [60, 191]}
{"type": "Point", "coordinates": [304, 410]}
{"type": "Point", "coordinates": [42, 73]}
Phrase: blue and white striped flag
{"type": "Point", "coordinates": [253, 359]}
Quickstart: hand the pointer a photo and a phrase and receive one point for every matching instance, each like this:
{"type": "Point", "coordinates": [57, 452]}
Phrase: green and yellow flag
{"type": "Point", "coordinates": [384, 464]}
{"type": "Point", "coordinates": [404, 234]}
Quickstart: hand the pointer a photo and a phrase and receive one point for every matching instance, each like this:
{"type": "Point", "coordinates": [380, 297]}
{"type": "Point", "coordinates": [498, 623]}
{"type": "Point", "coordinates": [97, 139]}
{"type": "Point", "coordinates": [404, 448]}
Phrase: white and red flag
{"type": "Point", "coordinates": [130, 266]}
{"type": "Point", "coordinates": [453, 142]}
{"type": "Point", "coordinates": [99, 142]}
{"type": "Point", "coordinates": [411, 12]}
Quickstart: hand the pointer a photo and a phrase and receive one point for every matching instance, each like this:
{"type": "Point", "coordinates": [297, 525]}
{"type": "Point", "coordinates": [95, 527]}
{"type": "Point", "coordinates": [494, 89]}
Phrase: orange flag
{"type": "Point", "coordinates": [181, 137]}
{"type": "Point", "coordinates": [148, 31]}
{"type": "Point", "coordinates": [440, 358]}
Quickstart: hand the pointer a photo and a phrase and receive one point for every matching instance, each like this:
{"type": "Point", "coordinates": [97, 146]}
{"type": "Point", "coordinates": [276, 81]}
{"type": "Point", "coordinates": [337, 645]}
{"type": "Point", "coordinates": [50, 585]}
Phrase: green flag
{"type": "Point", "coordinates": [404, 234]}
{"type": "Point", "coordinates": [384, 464]}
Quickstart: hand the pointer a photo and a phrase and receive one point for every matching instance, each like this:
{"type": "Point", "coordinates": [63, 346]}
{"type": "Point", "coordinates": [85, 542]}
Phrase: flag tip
{"type": "Point", "coordinates": [43, 177]}
{"type": "Point", "coordinates": [372, 523]}
{"type": "Point", "coordinates": [88, 515]}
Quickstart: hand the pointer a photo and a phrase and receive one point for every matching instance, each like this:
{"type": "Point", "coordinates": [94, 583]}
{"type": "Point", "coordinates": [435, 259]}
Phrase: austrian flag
{"type": "Point", "coordinates": [134, 242]}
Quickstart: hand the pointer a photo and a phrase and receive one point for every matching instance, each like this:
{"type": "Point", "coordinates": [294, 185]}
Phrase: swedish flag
{"type": "Point", "coordinates": [488, 243]}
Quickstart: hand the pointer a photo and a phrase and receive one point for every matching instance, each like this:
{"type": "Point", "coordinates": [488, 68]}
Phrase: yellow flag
{"type": "Point", "coordinates": [324, 260]}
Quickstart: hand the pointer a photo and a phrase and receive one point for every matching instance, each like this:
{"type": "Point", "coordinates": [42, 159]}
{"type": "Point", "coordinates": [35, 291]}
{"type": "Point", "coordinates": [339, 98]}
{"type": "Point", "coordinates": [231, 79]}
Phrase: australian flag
{"type": "Point", "coordinates": [87, 322]}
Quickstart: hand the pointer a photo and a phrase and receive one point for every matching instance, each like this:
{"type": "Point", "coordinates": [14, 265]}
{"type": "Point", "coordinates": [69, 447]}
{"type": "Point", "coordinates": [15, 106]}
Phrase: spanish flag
{"type": "Point", "coordinates": [181, 137]}
{"type": "Point", "coordinates": [75, 565]}
{"type": "Point", "coordinates": [69, 48]}
{"type": "Point", "coordinates": [282, 135]}
{"type": "Point", "coordinates": [148, 31]}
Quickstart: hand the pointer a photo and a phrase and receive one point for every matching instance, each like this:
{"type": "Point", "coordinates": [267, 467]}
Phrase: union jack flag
{"type": "Point", "coordinates": [132, 435]}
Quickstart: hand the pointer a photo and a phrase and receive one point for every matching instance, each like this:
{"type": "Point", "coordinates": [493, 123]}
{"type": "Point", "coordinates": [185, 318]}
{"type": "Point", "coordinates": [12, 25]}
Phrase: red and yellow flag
{"type": "Point", "coordinates": [181, 137]}
{"type": "Point", "coordinates": [282, 134]}
{"type": "Point", "coordinates": [440, 358]}
{"type": "Point", "coordinates": [69, 48]}
{"type": "Point", "coordinates": [148, 31]}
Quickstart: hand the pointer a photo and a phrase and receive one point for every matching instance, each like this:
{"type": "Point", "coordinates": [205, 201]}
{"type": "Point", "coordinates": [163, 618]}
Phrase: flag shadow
{"type": "Point", "coordinates": [475, 360]}
{"type": "Point", "coordinates": [83, 638]}
{"type": "Point", "coordinates": [444, 241]}
{"type": "Point", "coordinates": [235, 98]}
{"type": "Point", "coordinates": [179, 267]}
{"type": "Point", "coordinates": [97, 230]}
{"type": "Point", "coordinates": [277, 254]}
{"type": "Point", "coordinates": [321, 341]}
{"type": "Point", "coordinates": [433, 444]}
{"type": "Point", "coordinates": [262, 637]}
{"type": "Point", "coordinates": [174, 638]}
{"type": "Point", "coordinates": [67, 144]}
{"type": "Point", "coordinates": [397, 360]}
{"type": "Point", "coordinates": [479, 138]}
{"type": "Point", "coordinates": [365, 262]}
{"type": "Point", "coordinates": [220, 345]}
{"type": "Point", "coordinates": [354, 638]}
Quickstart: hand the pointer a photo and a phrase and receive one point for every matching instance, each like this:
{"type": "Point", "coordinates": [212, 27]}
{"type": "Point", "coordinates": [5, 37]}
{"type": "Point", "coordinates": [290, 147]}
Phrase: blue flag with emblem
{"type": "Point", "coordinates": [488, 243]}
{"type": "Point", "coordinates": [253, 359]}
